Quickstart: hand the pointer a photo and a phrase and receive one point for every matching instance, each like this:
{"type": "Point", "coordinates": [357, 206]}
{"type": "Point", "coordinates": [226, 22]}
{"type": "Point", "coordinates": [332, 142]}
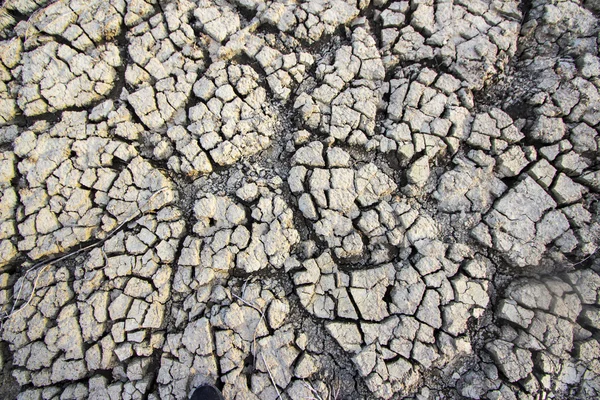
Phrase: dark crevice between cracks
{"type": "Point", "coordinates": [152, 370]}
{"type": "Point", "coordinates": [244, 59]}
{"type": "Point", "coordinates": [15, 18]}
{"type": "Point", "coordinates": [525, 7]}
{"type": "Point", "coordinates": [9, 387]}
{"type": "Point", "coordinates": [372, 14]}
{"type": "Point", "coordinates": [335, 361]}
{"type": "Point", "coordinates": [247, 13]}
{"type": "Point", "coordinates": [119, 82]}
{"type": "Point", "coordinates": [327, 44]}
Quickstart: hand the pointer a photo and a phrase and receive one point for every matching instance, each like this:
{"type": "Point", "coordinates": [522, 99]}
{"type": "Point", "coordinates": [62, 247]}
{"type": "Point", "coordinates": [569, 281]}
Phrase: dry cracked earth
{"type": "Point", "coordinates": [327, 199]}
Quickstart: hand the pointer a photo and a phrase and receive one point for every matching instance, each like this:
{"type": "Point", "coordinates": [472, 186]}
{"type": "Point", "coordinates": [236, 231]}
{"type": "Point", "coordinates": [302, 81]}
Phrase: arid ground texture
{"type": "Point", "coordinates": [321, 199]}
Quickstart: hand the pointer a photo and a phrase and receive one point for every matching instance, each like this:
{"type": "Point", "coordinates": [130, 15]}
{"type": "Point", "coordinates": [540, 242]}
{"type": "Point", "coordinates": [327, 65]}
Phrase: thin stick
{"type": "Point", "coordinates": [585, 259]}
{"type": "Point", "coordinates": [42, 266]}
{"type": "Point", "coordinates": [262, 318]}
{"type": "Point", "coordinates": [313, 390]}
{"type": "Point", "coordinates": [270, 376]}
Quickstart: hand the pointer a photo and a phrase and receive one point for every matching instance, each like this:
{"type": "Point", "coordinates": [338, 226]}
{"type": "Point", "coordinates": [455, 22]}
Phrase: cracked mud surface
{"type": "Point", "coordinates": [328, 199]}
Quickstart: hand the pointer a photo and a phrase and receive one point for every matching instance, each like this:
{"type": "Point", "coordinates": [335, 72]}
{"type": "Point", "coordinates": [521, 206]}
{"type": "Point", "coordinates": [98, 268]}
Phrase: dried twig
{"type": "Point", "coordinates": [316, 394]}
{"type": "Point", "coordinates": [336, 393]}
{"type": "Point", "coordinates": [262, 318]}
{"type": "Point", "coordinates": [596, 238]}
{"type": "Point", "coordinates": [270, 376]}
{"type": "Point", "coordinates": [331, 395]}
{"type": "Point", "coordinates": [41, 267]}
{"type": "Point", "coordinates": [586, 258]}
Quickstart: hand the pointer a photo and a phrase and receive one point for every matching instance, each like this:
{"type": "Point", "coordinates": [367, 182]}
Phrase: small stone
{"type": "Point", "coordinates": [589, 65]}
{"type": "Point", "coordinates": [531, 294]}
{"type": "Point", "coordinates": [548, 130]}
{"type": "Point", "coordinates": [307, 207]}
{"type": "Point", "coordinates": [277, 313]}
{"type": "Point", "coordinates": [418, 172]}
{"type": "Point", "coordinates": [424, 354]}
{"type": "Point", "coordinates": [337, 157]}
{"type": "Point", "coordinates": [511, 162]}
{"type": "Point", "coordinates": [543, 172]}
{"type": "Point", "coordinates": [511, 311]}
{"type": "Point", "coordinates": [301, 137]}
{"type": "Point", "coordinates": [429, 312]}
{"type": "Point", "coordinates": [346, 334]}
{"type": "Point", "coordinates": [248, 192]}
{"type": "Point", "coordinates": [310, 155]}
{"type": "Point", "coordinates": [197, 337]}
{"type": "Point", "coordinates": [448, 83]}
{"type": "Point", "coordinates": [590, 317]}
{"type": "Point", "coordinates": [306, 366]}
{"type": "Point", "coordinates": [515, 363]}
{"type": "Point", "coordinates": [566, 191]}
{"type": "Point", "coordinates": [63, 370]}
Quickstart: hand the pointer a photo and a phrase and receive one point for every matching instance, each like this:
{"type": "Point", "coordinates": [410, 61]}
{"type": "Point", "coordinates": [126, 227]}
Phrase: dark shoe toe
{"type": "Point", "coordinates": [207, 392]}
